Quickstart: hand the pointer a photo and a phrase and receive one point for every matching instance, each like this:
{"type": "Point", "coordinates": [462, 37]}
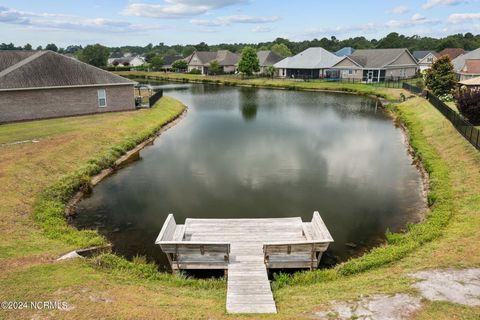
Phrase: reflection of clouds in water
{"type": "Point", "coordinates": [301, 152]}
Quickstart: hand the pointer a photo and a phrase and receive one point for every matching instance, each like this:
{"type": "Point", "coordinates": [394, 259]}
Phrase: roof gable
{"type": "Point", "coordinates": [431, 55]}
{"type": "Point", "coordinates": [421, 54]}
{"type": "Point", "coordinates": [472, 66]}
{"type": "Point", "coordinates": [46, 69]}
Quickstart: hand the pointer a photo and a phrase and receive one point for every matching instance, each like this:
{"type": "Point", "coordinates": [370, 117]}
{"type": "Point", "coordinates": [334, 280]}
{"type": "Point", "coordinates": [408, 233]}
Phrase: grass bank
{"type": "Point", "coordinates": [44, 174]}
{"type": "Point", "coordinates": [314, 85]}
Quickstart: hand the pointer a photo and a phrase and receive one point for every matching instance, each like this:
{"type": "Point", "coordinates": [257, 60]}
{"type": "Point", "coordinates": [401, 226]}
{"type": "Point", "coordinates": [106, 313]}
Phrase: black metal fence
{"type": "Point", "coordinates": [411, 88]}
{"type": "Point", "coordinates": [155, 97]}
{"type": "Point", "coordinates": [466, 129]}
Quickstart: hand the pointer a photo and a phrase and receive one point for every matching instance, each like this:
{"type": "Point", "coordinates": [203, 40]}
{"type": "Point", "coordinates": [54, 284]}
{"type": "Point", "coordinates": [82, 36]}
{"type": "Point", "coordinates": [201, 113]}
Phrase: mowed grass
{"type": "Point", "coordinates": [110, 287]}
{"type": "Point", "coordinates": [321, 85]}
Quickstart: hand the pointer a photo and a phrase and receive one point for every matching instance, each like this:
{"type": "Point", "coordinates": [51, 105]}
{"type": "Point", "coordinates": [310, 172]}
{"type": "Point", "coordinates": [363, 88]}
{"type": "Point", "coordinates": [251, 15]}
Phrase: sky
{"type": "Point", "coordinates": [139, 22]}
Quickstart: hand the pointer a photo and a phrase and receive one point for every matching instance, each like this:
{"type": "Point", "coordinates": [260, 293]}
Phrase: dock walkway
{"type": "Point", "coordinates": [245, 249]}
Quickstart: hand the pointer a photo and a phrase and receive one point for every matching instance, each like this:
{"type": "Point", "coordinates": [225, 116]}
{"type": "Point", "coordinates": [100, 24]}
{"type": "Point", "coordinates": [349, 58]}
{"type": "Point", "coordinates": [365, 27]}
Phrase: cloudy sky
{"type": "Point", "coordinates": [138, 22]}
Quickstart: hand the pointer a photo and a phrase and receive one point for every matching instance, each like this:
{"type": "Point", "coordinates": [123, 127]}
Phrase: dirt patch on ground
{"type": "Point", "coordinates": [377, 307]}
{"type": "Point", "coordinates": [456, 286]}
{"type": "Point", "coordinates": [15, 263]}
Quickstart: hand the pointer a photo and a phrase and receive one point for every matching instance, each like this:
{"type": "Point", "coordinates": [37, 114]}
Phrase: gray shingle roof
{"type": "Point", "coordinates": [459, 62]}
{"type": "Point", "coordinates": [311, 58]}
{"type": "Point", "coordinates": [11, 57]}
{"type": "Point", "coordinates": [376, 58]}
{"type": "Point", "coordinates": [268, 58]}
{"type": "Point", "coordinates": [45, 69]}
{"type": "Point", "coordinates": [419, 55]}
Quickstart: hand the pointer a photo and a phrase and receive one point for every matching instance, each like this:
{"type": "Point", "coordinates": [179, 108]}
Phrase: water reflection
{"type": "Point", "coordinates": [248, 103]}
{"type": "Point", "coordinates": [287, 154]}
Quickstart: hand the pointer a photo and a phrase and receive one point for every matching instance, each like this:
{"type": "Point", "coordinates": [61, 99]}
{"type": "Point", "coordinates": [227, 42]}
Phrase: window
{"type": "Point", "coordinates": [102, 98]}
{"type": "Point", "coordinates": [350, 71]}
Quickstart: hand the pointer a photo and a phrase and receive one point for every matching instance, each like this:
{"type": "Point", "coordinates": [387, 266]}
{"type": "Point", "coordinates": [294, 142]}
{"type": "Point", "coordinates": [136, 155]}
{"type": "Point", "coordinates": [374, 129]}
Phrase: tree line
{"type": "Point", "coordinates": [467, 41]}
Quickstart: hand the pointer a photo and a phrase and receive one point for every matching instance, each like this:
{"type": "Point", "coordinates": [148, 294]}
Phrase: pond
{"type": "Point", "coordinates": [247, 153]}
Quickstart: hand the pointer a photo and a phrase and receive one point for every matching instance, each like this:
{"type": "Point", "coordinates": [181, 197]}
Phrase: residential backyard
{"type": "Point", "coordinates": [38, 155]}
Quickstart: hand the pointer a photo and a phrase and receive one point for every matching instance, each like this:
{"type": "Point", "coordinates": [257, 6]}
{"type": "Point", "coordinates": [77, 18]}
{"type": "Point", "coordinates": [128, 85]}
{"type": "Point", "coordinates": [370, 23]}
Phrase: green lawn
{"type": "Point", "coordinates": [38, 176]}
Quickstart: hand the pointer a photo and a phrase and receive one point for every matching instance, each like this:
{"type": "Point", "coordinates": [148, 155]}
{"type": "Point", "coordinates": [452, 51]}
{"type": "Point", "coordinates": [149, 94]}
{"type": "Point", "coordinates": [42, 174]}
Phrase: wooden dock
{"type": "Point", "coordinates": [245, 249]}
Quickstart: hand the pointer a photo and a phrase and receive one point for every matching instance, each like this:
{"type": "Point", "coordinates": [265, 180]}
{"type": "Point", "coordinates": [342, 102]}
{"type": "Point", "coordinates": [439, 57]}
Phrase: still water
{"type": "Point", "coordinates": [247, 153]}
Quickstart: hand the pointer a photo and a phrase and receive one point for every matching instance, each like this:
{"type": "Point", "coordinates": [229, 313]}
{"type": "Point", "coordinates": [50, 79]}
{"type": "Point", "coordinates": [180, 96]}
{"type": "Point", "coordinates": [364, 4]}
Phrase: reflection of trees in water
{"type": "Point", "coordinates": [248, 103]}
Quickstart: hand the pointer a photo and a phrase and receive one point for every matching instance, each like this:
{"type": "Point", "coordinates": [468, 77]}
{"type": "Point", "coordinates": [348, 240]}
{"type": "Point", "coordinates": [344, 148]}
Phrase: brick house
{"type": "Point", "coordinates": [44, 84]}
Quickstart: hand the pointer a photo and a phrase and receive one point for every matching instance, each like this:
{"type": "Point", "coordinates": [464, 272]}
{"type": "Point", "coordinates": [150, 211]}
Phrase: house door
{"type": "Point", "coordinates": [370, 76]}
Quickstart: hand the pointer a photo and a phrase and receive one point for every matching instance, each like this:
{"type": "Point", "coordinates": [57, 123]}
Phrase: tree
{"type": "Point", "coordinates": [39, 48]}
{"type": "Point", "coordinates": [214, 67]}
{"type": "Point", "coordinates": [156, 63]}
{"type": "Point", "coordinates": [51, 47]}
{"type": "Point", "coordinates": [270, 71]}
{"type": "Point", "coordinates": [468, 103]}
{"type": "Point", "coordinates": [249, 61]}
{"type": "Point", "coordinates": [180, 65]}
{"type": "Point", "coordinates": [281, 49]}
{"type": "Point", "coordinates": [28, 46]}
{"type": "Point", "coordinates": [202, 46]}
{"type": "Point", "coordinates": [188, 50]}
{"type": "Point", "coordinates": [440, 78]}
{"type": "Point", "coordinates": [96, 55]}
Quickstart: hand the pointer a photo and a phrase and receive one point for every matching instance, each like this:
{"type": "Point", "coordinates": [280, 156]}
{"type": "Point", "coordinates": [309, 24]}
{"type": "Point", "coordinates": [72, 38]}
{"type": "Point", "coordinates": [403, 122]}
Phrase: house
{"type": "Point", "coordinates": [467, 65]}
{"type": "Point", "coordinates": [344, 52]}
{"type": "Point", "coordinates": [473, 83]}
{"type": "Point", "coordinates": [45, 84]}
{"type": "Point", "coordinates": [452, 53]}
{"type": "Point", "coordinates": [425, 59]}
{"type": "Point", "coordinates": [201, 60]}
{"type": "Point", "coordinates": [136, 61]}
{"type": "Point", "coordinates": [169, 60]}
{"type": "Point", "coordinates": [375, 65]}
{"type": "Point", "coordinates": [313, 63]}
{"type": "Point", "coordinates": [267, 59]}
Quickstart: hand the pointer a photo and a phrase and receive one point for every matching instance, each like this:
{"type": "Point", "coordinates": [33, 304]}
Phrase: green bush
{"type": "Point", "coordinates": [195, 71]}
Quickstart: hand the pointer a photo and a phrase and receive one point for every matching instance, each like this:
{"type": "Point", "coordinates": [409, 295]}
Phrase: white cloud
{"type": "Point", "coordinates": [437, 3]}
{"type": "Point", "coordinates": [458, 18]}
{"type": "Point", "coordinates": [228, 20]}
{"type": "Point", "coordinates": [416, 20]}
{"type": "Point", "coordinates": [260, 29]}
{"type": "Point", "coordinates": [69, 22]}
{"type": "Point", "coordinates": [400, 10]}
{"type": "Point", "coordinates": [177, 8]}
{"type": "Point", "coordinates": [417, 17]}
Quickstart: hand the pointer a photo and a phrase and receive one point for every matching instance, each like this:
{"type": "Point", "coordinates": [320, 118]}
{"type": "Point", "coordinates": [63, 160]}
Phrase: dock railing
{"type": "Point", "coordinates": [300, 254]}
{"type": "Point", "coordinates": [190, 254]}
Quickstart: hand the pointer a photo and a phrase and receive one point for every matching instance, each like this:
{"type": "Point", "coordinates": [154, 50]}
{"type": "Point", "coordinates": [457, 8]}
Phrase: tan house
{"type": "Point", "coordinates": [201, 60]}
{"type": "Point", "coordinates": [375, 65]}
{"type": "Point", "coordinates": [45, 84]}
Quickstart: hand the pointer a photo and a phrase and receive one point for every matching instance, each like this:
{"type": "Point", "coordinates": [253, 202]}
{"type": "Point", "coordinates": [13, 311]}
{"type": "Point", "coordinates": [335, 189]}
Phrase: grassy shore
{"type": "Point", "coordinates": [320, 85]}
{"type": "Point", "coordinates": [39, 176]}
